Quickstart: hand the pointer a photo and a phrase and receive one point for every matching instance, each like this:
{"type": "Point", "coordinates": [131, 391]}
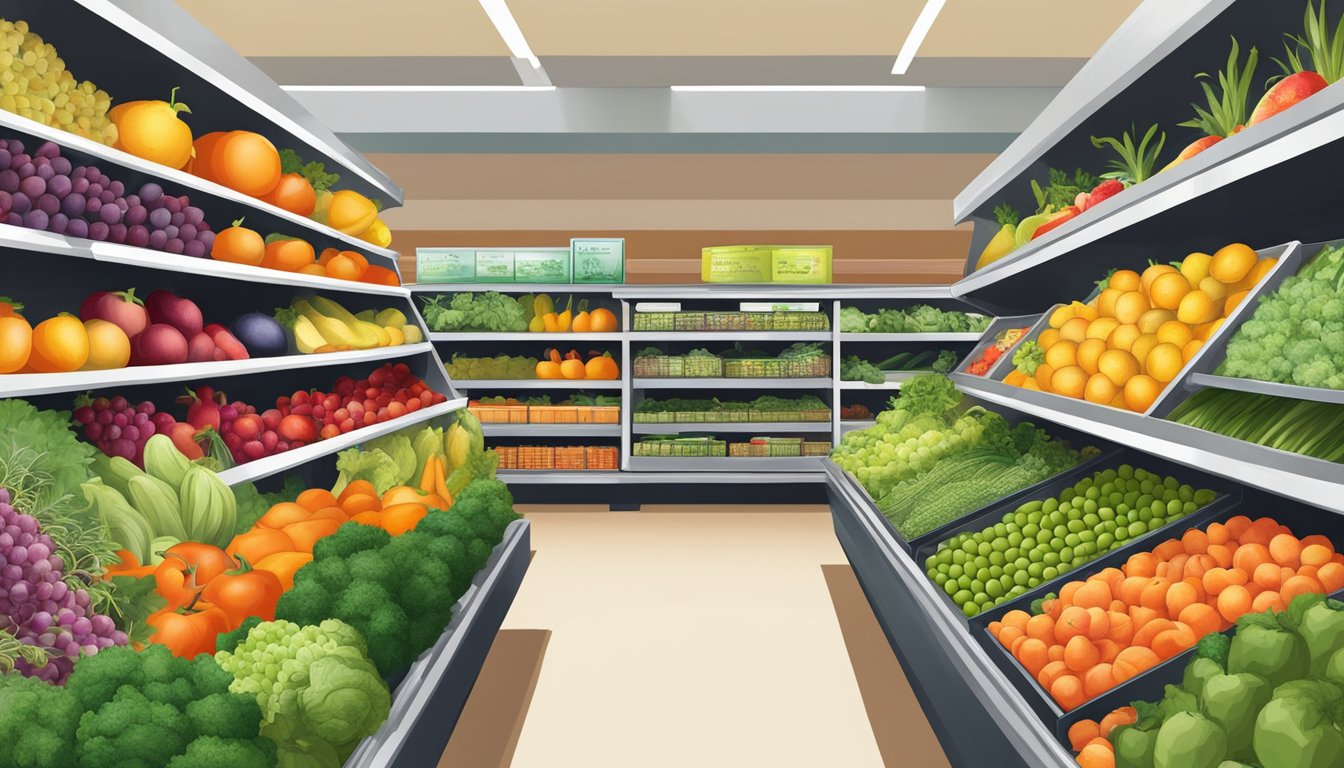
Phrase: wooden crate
{"type": "Point", "coordinates": [602, 457]}
{"type": "Point", "coordinates": [571, 457]}
{"type": "Point", "coordinates": [499, 414]}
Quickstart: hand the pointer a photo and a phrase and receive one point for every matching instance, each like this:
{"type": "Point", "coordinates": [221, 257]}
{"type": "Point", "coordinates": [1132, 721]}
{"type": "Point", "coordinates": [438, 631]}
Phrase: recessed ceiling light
{"type": "Point", "coordinates": [916, 37]}
{"type": "Point", "coordinates": [507, 26]}
{"type": "Point", "coordinates": [798, 88]}
{"type": "Point", "coordinates": [415, 88]}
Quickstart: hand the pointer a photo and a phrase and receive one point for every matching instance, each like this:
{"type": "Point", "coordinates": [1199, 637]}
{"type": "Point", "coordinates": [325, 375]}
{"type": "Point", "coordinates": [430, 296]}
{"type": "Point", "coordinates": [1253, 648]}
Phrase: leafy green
{"type": "Point", "coordinates": [854, 369]}
{"type": "Point", "coordinates": [920, 318]}
{"type": "Point", "coordinates": [1006, 215]}
{"type": "Point", "coordinates": [1136, 161]}
{"type": "Point", "coordinates": [134, 600]}
{"type": "Point", "coordinates": [400, 449]}
{"type": "Point", "coordinates": [1029, 357]}
{"type": "Point", "coordinates": [315, 172]}
{"type": "Point", "coordinates": [1226, 114]}
{"type": "Point", "coordinates": [375, 466]}
{"type": "Point", "coordinates": [487, 311]}
{"type": "Point", "coordinates": [1060, 190]}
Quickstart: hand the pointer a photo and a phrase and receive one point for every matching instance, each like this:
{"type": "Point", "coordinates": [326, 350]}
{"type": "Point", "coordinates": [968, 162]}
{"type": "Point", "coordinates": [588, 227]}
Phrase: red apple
{"type": "Point", "coordinates": [121, 308]}
{"type": "Point", "coordinates": [159, 344]}
{"type": "Point", "coordinates": [171, 309]}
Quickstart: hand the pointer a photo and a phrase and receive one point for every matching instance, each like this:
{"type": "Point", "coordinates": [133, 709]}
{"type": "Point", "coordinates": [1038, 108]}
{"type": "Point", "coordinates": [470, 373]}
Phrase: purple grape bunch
{"type": "Point", "coordinates": [120, 428]}
{"type": "Point", "coordinates": [40, 609]}
{"type": "Point", "coordinates": [46, 191]}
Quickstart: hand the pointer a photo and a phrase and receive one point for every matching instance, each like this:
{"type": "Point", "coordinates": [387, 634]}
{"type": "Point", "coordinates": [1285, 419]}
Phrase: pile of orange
{"type": "Point", "coordinates": [1125, 346]}
{"type": "Point", "coordinates": [1101, 632]}
{"type": "Point", "coordinates": [1092, 740]}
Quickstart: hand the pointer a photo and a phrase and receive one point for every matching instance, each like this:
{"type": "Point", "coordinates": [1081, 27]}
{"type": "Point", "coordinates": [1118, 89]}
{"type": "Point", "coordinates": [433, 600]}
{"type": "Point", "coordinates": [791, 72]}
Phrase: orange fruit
{"type": "Point", "coordinates": [1098, 679]}
{"type": "Point", "coordinates": [1195, 541]}
{"type": "Point", "coordinates": [1155, 594]}
{"type": "Point", "coordinates": [313, 269]}
{"type": "Point", "coordinates": [314, 499]}
{"type": "Point", "coordinates": [1172, 641]}
{"type": "Point", "coordinates": [1201, 618]}
{"type": "Point", "coordinates": [1101, 328]}
{"type": "Point", "coordinates": [1067, 691]}
{"type": "Point", "coordinates": [1125, 280]}
{"type": "Point", "coordinates": [1118, 365]}
{"type": "Point", "coordinates": [1168, 289]}
{"type": "Point", "coordinates": [1268, 576]}
{"type": "Point", "coordinates": [1286, 550]}
{"type": "Point", "coordinates": [1232, 263]}
{"type": "Point", "coordinates": [1269, 600]}
{"type": "Point", "coordinates": [1132, 661]}
{"type": "Point", "coordinates": [1108, 649]}
{"type": "Point", "coordinates": [1092, 594]}
{"type": "Point", "coordinates": [1144, 637]}
{"type": "Point", "coordinates": [1164, 362]}
{"type": "Point", "coordinates": [1096, 756]}
{"type": "Point", "coordinates": [1089, 353]}
{"type": "Point", "coordinates": [1048, 338]}
{"type": "Point", "coordinates": [1117, 718]}
{"type": "Point", "coordinates": [1006, 635]}
{"type": "Point", "coordinates": [1056, 652]}
{"type": "Point", "coordinates": [1075, 330]}
{"type": "Point", "coordinates": [1316, 555]}
{"type": "Point", "coordinates": [1122, 338]}
{"type": "Point", "coordinates": [1175, 332]}
{"type": "Point", "coordinates": [1168, 549]}
{"type": "Point", "coordinates": [1033, 655]}
{"type": "Point", "coordinates": [1153, 319]}
{"type": "Point", "coordinates": [1080, 653]}
{"type": "Point", "coordinates": [1216, 290]}
{"type": "Point", "coordinates": [342, 267]}
{"type": "Point", "coordinates": [1046, 677]}
{"type": "Point", "coordinates": [1180, 596]}
{"type": "Point", "coordinates": [1191, 349]}
{"type": "Point", "coordinates": [1081, 732]}
{"type": "Point", "coordinates": [1044, 373]}
{"type": "Point", "coordinates": [1299, 585]}
{"type": "Point", "coordinates": [1331, 576]}
{"type": "Point", "coordinates": [1106, 301]}
{"type": "Point", "coordinates": [1234, 602]}
{"type": "Point", "coordinates": [1074, 621]}
{"type": "Point", "coordinates": [1041, 627]}
{"type": "Point", "coordinates": [1195, 267]}
{"type": "Point", "coordinates": [1198, 307]}
{"type": "Point", "coordinates": [1141, 564]}
{"type": "Point", "coordinates": [1233, 301]}
{"type": "Point", "coordinates": [1122, 628]}
{"type": "Point", "coordinates": [1070, 381]}
{"type": "Point", "coordinates": [1100, 389]}
{"type": "Point", "coordinates": [1248, 557]}
{"type": "Point", "coordinates": [1017, 619]}
{"type": "Point", "coordinates": [1062, 354]}
{"type": "Point", "coordinates": [289, 255]}
{"type": "Point", "coordinates": [1153, 272]}
{"type": "Point", "coordinates": [1130, 307]}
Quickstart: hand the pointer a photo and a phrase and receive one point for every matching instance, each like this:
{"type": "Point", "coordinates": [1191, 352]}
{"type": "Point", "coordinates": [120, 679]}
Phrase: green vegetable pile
{"type": "Point", "coordinates": [1060, 190]}
{"type": "Point", "coordinates": [1299, 426]}
{"type": "Point", "coordinates": [854, 369]}
{"type": "Point", "coordinates": [464, 368]}
{"type": "Point", "coordinates": [127, 708]}
{"type": "Point", "coordinates": [920, 318]}
{"type": "Point", "coordinates": [399, 592]}
{"type": "Point", "coordinates": [319, 694]}
{"type": "Point", "coordinates": [1044, 538]}
{"type": "Point", "coordinates": [762, 403]}
{"type": "Point", "coordinates": [488, 311]}
{"type": "Point", "coordinates": [1273, 697]}
{"type": "Point", "coordinates": [1296, 335]}
{"type": "Point", "coordinates": [974, 456]}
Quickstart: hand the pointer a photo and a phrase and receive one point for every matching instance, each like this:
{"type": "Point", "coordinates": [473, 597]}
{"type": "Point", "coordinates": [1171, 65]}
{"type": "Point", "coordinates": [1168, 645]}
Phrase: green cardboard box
{"type": "Point", "coordinates": [494, 265]}
{"type": "Point", "coordinates": [445, 265]}
{"type": "Point", "coordinates": [541, 265]}
{"type": "Point", "coordinates": [598, 259]}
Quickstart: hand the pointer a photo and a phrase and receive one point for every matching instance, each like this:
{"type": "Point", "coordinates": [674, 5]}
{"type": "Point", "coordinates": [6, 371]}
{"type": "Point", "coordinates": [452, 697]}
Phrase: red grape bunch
{"type": "Point", "coordinates": [119, 428]}
{"type": "Point", "coordinates": [37, 607]}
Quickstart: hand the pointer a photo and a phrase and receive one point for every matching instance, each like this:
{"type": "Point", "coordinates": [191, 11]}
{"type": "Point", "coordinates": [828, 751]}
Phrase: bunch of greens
{"type": "Point", "coordinates": [464, 368]}
{"type": "Point", "coordinates": [314, 172]}
{"type": "Point", "coordinates": [1136, 160]}
{"type": "Point", "coordinates": [941, 361]}
{"type": "Point", "coordinates": [852, 368]}
{"type": "Point", "coordinates": [385, 462]}
{"type": "Point", "coordinates": [1298, 426]}
{"type": "Point", "coordinates": [1272, 696]}
{"type": "Point", "coordinates": [920, 318]}
{"type": "Point", "coordinates": [318, 692]}
{"type": "Point", "coordinates": [802, 351]}
{"type": "Point", "coordinates": [399, 592]}
{"type": "Point", "coordinates": [123, 707]}
{"type": "Point", "coordinates": [1060, 190]}
{"type": "Point", "coordinates": [488, 311]}
{"type": "Point", "coordinates": [1296, 335]}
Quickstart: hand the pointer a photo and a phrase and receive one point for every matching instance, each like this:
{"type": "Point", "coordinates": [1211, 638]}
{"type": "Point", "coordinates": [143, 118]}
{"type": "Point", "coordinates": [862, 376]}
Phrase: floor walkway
{"type": "Point", "coordinates": [678, 637]}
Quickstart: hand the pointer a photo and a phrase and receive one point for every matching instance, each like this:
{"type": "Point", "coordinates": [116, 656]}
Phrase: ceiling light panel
{"type": "Point", "coordinates": [502, 18]}
{"type": "Point", "coordinates": [916, 37]}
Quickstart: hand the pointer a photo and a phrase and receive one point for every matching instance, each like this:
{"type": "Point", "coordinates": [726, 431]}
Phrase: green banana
{"type": "Point", "coordinates": [164, 461]}
{"type": "Point", "coordinates": [209, 509]}
{"type": "Point", "coordinates": [157, 501]}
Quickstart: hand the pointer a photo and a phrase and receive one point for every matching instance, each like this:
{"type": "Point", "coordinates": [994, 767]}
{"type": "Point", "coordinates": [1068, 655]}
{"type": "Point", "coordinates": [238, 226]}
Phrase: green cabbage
{"type": "Point", "coordinates": [1234, 701]}
{"type": "Point", "coordinates": [1299, 728]}
{"type": "Point", "coordinates": [1320, 621]}
{"type": "Point", "coordinates": [1268, 645]}
{"type": "Point", "coordinates": [1189, 740]}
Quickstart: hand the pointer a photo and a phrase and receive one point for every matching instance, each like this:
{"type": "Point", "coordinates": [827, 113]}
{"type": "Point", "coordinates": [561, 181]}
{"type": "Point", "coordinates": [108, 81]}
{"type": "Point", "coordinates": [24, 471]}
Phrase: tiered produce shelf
{"type": "Point", "coordinates": [482, 385]}
{"type": "Point", "coordinates": [552, 430]}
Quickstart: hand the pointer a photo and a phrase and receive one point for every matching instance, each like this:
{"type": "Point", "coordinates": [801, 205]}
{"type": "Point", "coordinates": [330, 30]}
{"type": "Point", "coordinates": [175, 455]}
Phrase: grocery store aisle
{"type": "Point", "coordinates": [684, 637]}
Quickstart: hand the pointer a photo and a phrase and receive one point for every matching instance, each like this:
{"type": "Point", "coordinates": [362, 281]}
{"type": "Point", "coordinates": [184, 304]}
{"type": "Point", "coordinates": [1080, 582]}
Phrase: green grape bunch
{"type": "Point", "coordinates": [35, 84]}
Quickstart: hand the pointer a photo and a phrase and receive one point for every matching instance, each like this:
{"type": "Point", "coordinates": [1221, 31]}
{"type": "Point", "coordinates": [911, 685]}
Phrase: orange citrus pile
{"type": "Point", "coordinates": [1122, 621]}
{"type": "Point", "coordinates": [1124, 347]}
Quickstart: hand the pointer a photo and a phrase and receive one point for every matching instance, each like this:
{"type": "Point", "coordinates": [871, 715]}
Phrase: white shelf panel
{"type": "Point", "coordinates": [552, 430]}
{"type": "Point", "coordinates": [689, 383]}
{"type": "Point", "coordinates": [626, 477]}
{"type": "Point", "coordinates": [894, 381]}
{"type": "Point", "coordinates": [31, 240]}
{"type": "Point", "coordinates": [780, 291]}
{"type": "Point", "coordinates": [851, 426]}
{"type": "Point", "coordinates": [739, 463]}
{"type": "Point", "coordinates": [1272, 388]}
{"type": "Point", "coordinates": [296, 226]}
{"type": "Point", "coordinates": [897, 337]}
{"type": "Point", "coordinates": [255, 470]}
{"type": "Point", "coordinates": [487, 336]}
{"type": "Point", "coordinates": [163, 36]}
{"type": "Point", "coordinates": [761, 428]}
{"type": "Point", "coordinates": [30, 384]}
{"type": "Point", "coordinates": [479, 384]}
{"type": "Point", "coordinates": [637, 336]}
{"type": "Point", "coordinates": [558, 289]}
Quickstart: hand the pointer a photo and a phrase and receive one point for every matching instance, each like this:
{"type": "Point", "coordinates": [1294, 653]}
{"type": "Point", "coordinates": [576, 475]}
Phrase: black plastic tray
{"type": "Point", "coordinates": [1227, 496]}
{"type": "Point", "coordinates": [1301, 519]}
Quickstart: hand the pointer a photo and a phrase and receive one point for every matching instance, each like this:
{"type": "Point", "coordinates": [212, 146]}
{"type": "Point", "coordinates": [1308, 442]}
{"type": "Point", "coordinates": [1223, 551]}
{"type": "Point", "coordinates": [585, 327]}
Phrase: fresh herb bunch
{"type": "Point", "coordinates": [920, 318]}
{"type": "Point", "coordinates": [1226, 113]}
{"type": "Point", "coordinates": [852, 368]}
{"type": "Point", "coordinates": [1060, 190]}
{"type": "Point", "coordinates": [488, 311]}
{"type": "Point", "coordinates": [314, 172]}
{"type": "Point", "coordinates": [1136, 160]}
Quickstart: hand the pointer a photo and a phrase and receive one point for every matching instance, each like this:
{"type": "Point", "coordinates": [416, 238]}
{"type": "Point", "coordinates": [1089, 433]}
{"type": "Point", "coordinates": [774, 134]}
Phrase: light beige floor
{"type": "Point", "coordinates": [685, 638]}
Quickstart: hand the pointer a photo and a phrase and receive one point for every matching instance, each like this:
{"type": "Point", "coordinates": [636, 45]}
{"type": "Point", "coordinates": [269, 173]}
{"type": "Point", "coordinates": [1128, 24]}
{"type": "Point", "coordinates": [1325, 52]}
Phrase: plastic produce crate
{"type": "Point", "coordinates": [817, 448]}
{"type": "Point", "coordinates": [601, 457]}
{"type": "Point", "coordinates": [500, 414]}
{"type": "Point", "coordinates": [681, 448]}
{"type": "Point", "coordinates": [655, 321]}
{"type": "Point", "coordinates": [536, 457]}
{"type": "Point", "coordinates": [599, 414]}
{"type": "Point", "coordinates": [555, 414]}
{"type": "Point", "coordinates": [508, 456]}
{"type": "Point", "coordinates": [1148, 685]}
{"type": "Point", "coordinates": [926, 546]}
{"type": "Point", "coordinates": [702, 367]}
{"type": "Point", "coordinates": [660, 367]}
{"type": "Point", "coordinates": [570, 457]}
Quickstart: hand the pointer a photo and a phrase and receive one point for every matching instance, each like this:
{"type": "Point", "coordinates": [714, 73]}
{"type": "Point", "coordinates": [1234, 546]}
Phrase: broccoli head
{"type": "Point", "coordinates": [131, 729]}
{"type": "Point", "coordinates": [1215, 647]}
{"type": "Point", "coordinates": [37, 723]}
{"type": "Point", "coordinates": [214, 752]}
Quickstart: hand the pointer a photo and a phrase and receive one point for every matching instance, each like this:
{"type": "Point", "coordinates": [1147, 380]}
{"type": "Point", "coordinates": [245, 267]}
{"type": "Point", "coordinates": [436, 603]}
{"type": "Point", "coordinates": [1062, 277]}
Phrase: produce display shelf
{"type": "Point", "coordinates": [489, 336]}
{"type": "Point", "coordinates": [894, 381]}
{"type": "Point", "coordinates": [765, 427]}
{"type": "Point", "coordinates": [782, 291]}
{"type": "Point", "coordinates": [30, 384]}
{"type": "Point", "coordinates": [479, 384]}
{"type": "Point", "coordinates": [896, 337]}
{"type": "Point", "coordinates": [1313, 481]}
{"type": "Point", "coordinates": [729, 336]}
{"type": "Point", "coordinates": [976, 712]}
{"type": "Point", "coordinates": [426, 705]}
{"type": "Point", "coordinates": [690, 383]}
{"type": "Point", "coordinates": [552, 430]}
{"type": "Point", "coordinates": [281, 462]}
{"type": "Point", "coordinates": [261, 216]}
{"type": "Point", "coordinates": [851, 426]}
{"type": "Point", "coordinates": [161, 44]}
{"type": "Point", "coordinates": [1308, 126]}
{"type": "Point", "coordinates": [22, 239]}
{"type": "Point", "coordinates": [711, 463]}
{"type": "Point", "coordinates": [553, 289]}
{"type": "Point", "coordinates": [1274, 388]}
{"type": "Point", "coordinates": [627, 477]}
